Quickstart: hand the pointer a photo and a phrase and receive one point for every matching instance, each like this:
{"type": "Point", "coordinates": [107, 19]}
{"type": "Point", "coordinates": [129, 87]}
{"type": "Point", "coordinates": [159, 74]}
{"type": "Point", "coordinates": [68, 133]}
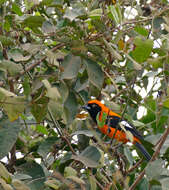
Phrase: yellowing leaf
{"type": "Point", "coordinates": [12, 104]}
{"type": "Point", "coordinates": [52, 92]}
{"type": "Point", "coordinates": [166, 103]}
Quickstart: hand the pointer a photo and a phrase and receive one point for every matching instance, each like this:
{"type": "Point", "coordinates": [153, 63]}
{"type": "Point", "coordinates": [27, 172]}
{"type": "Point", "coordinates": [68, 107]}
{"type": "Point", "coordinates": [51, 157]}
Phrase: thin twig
{"type": "Point", "coordinates": [135, 166]}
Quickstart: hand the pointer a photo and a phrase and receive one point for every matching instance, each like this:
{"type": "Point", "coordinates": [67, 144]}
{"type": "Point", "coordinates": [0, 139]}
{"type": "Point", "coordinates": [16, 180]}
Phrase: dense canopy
{"type": "Point", "coordinates": [55, 55]}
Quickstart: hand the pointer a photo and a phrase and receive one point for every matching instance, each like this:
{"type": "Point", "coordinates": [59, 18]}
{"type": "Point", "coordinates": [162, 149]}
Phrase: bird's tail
{"type": "Point", "coordinates": [143, 150]}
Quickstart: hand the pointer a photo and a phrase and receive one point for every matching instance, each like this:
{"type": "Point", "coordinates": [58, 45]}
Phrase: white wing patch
{"type": "Point", "coordinates": [126, 124]}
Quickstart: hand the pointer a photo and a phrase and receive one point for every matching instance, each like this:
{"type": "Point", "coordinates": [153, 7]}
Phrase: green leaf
{"type": "Point", "coordinates": [156, 62]}
{"type": "Point", "coordinates": [155, 138]}
{"type": "Point", "coordinates": [36, 172]}
{"type": "Point", "coordinates": [56, 109]}
{"type": "Point", "coordinates": [142, 31]}
{"type": "Point", "coordinates": [52, 92]}
{"type": "Point", "coordinates": [71, 66]}
{"type": "Point", "coordinates": [46, 145]}
{"type": "Point", "coordinates": [46, 2]}
{"type": "Point", "coordinates": [166, 103]}
{"type": "Point", "coordinates": [69, 171]}
{"type": "Point", "coordinates": [95, 73]}
{"type": "Point", "coordinates": [70, 107]}
{"type": "Point", "coordinates": [12, 104]}
{"type": "Point", "coordinates": [42, 129]}
{"type": "Point", "coordinates": [10, 67]}
{"type": "Point", "coordinates": [6, 41]}
{"type": "Point", "coordinates": [154, 169]}
{"type": "Point", "coordinates": [39, 108]}
{"type": "Point", "coordinates": [75, 11]}
{"type": "Point", "coordinates": [26, 86]}
{"type": "Point", "coordinates": [142, 50]}
{"type": "Point", "coordinates": [165, 183]}
{"type": "Point", "coordinates": [8, 135]}
{"type": "Point", "coordinates": [89, 157]}
{"type": "Point", "coordinates": [34, 21]}
{"type": "Point", "coordinates": [129, 156]}
{"type": "Point", "coordinates": [17, 56]}
{"type": "Point", "coordinates": [48, 27]}
{"type": "Point", "coordinates": [143, 184]}
{"type": "Point", "coordinates": [116, 15]}
{"type": "Point", "coordinates": [16, 9]}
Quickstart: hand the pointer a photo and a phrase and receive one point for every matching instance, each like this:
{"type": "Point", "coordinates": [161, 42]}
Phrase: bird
{"type": "Point", "coordinates": [114, 126]}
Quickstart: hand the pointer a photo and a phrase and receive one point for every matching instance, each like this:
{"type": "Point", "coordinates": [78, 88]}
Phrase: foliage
{"type": "Point", "coordinates": [54, 56]}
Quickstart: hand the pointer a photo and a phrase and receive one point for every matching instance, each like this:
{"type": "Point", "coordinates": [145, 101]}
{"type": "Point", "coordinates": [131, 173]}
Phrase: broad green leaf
{"type": "Point", "coordinates": [70, 107]}
{"type": "Point", "coordinates": [8, 135]}
{"type": "Point", "coordinates": [17, 56]}
{"type": "Point", "coordinates": [129, 156]}
{"type": "Point", "coordinates": [48, 27]}
{"type": "Point", "coordinates": [52, 92]}
{"type": "Point", "coordinates": [143, 184]}
{"type": "Point", "coordinates": [71, 66]}
{"type": "Point", "coordinates": [155, 138]}
{"type": "Point", "coordinates": [46, 146]}
{"type": "Point", "coordinates": [165, 183]}
{"type": "Point", "coordinates": [69, 171]}
{"type": "Point", "coordinates": [166, 103]}
{"type": "Point", "coordinates": [63, 90]}
{"type": "Point", "coordinates": [6, 41]}
{"type": "Point", "coordinates": [89, 157]}
{"type": "Point", "coordinates": [75, 11]}
{"type": "Point", "coordinates": [34, 21]}
{"type": "Point", "coordinates": [154, 169]}
{"type": "Point", "coordinates": [16, 9]}
{"type": "Point", "coordinates": [10, 67]}
{"type": "Point", "coordinates": [142, 31]}
{"type": "Point", "coordinates": [56, 109]}
{"type": "Point", "coordinates": [143, 49]}
{"type": "Point", "coordinates": [12, 104]}
{"type": "Point", "coordinates": [39, 108]}
{"type": "Point", "coordinates": [46, 2]}
{"type": "Point", "coordinates": [36, 172]}
{"type": "Point", "coordinates": [156, 62]}
{"type": "Point", "coordinates": [31, 48]}
{"type": "Point", "coordinates": [95, 73]}
{"type": "Point", "coordinates": [156, 187]}
{"type": "Point", "coordinates": [42, 129]}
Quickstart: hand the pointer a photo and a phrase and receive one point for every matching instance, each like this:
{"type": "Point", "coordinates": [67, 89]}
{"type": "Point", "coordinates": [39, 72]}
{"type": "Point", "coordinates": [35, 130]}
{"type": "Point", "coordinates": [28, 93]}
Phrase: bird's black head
{"type": "Point", "coordinates": [93, 109]}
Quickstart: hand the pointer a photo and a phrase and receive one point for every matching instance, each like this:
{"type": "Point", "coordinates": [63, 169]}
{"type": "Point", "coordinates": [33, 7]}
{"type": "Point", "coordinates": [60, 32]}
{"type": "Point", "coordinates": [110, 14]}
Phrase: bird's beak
{"type": "Point", "coordinates": [86, 107]}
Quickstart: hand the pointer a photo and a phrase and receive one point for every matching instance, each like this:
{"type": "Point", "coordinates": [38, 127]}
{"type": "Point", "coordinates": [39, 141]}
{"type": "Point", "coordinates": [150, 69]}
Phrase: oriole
{"type": "Point", "coordinates": [95, 108]}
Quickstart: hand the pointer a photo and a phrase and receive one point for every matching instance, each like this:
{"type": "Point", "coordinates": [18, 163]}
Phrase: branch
{"type": "Point", "coordinates": [163, 139]}
{"type": "Point", "coordinates": [30, 67]}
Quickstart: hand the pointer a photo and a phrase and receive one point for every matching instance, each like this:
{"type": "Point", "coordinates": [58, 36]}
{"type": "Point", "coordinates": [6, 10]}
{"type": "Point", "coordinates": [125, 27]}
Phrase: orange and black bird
{"type": "Point", "coordinates": [113, 125]}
